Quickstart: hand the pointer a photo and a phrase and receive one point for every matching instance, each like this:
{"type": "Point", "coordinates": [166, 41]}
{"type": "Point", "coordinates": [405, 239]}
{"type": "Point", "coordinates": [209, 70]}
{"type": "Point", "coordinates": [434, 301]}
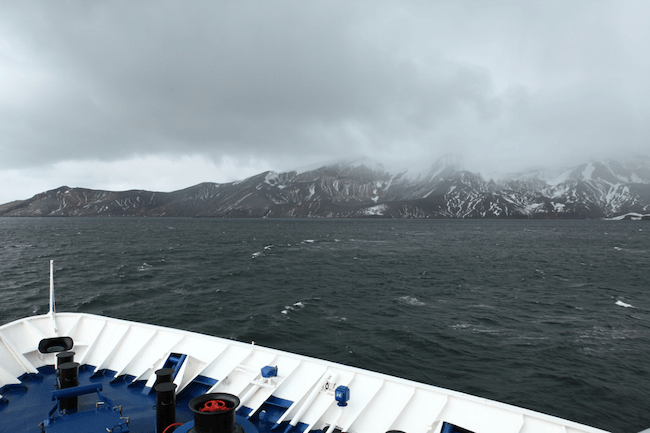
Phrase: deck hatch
{"type": "Point", "coordinates": [175, 361]}
{"type": "Point", "coordinates": [56, 344]}
{"type": "Point", "coordinates": [450, 428]}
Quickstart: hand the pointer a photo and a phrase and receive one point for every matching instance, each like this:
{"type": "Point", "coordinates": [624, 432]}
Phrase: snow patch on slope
{"type": "Point", "coordinates": [271, 178]}
{"type": "Point", "coordinates": [375, 210]}
{"type": "Point", "coordinates": [587, 172]}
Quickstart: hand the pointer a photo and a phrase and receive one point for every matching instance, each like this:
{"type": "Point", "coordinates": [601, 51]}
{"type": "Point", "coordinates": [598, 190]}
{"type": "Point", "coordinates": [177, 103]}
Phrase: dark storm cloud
{"type": "Point", "coordinates": [207, 78]}
{"type": "Point", "coordinates": [289, 83]}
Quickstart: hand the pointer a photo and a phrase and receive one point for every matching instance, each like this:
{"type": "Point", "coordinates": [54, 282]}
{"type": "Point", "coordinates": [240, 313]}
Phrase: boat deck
{"type": "Point", "coordinates": [299, 396]}
{"type": "Point", "coordinates": [27, 406]}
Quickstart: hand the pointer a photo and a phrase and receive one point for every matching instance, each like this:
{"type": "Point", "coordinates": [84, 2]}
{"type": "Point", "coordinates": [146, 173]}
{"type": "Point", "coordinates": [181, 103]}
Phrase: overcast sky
{"type": "Point", "coordinates": [162, 95]}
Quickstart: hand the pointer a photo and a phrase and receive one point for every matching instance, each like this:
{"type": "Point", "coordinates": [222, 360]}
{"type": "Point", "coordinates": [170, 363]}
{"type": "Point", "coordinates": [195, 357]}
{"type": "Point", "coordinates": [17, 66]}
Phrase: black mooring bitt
{"type": "Point", "coordinates": [164, 375]}
{"type": "Point", "coordinates": [68, 377]}
{"type": "Point", "coordinates": [165, 405]}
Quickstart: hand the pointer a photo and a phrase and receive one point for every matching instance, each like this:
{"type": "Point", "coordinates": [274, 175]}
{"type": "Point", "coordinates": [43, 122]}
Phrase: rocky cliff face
{"type": "Point", "coordinates": [608, 189]}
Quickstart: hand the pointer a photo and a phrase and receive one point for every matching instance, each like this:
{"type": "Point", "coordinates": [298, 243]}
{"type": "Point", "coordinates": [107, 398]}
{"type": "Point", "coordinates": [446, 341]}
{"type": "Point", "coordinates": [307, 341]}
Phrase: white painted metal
{"type": "Point", "coordinates": [52, 311]}
{"type": "Point", "coordinates": [378, 402]}
{"type": "Point", "coordinates": [302, 406]}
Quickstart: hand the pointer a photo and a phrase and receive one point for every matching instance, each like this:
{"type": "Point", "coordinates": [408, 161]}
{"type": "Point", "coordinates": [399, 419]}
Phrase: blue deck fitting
{"type": "Point", "coordinates": [175, 361]}
{"type": "Point", "coordinates": [450, 428]}
{"type": "Point", "coordinates": [342, 395]}
{"type": "Point", "coordinates": [77, 391]}
{"type": "Point", "coordinates": [269, 371]}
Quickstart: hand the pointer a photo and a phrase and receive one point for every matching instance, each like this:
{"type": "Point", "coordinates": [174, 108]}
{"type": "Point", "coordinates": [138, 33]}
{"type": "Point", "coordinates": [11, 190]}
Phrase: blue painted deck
{"type": "Point", "coordinates": [25, 407]}
{"type": "Point", "coordinates": [28, 405]}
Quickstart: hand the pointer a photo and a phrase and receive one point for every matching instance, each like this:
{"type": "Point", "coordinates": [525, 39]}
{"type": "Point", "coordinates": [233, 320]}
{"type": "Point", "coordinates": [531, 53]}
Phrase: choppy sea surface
{"type": "Point", "coordinates": [553, 316]}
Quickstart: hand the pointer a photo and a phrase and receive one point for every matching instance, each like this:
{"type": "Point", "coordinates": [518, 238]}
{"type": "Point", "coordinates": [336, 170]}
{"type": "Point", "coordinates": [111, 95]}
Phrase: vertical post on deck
{"type": "Point", "coordinates": [52, 308]}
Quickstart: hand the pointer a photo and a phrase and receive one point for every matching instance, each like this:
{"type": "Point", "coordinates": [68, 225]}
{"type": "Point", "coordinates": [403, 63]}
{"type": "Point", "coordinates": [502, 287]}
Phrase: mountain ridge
{"type": "Point", "coordinates": [617, 189]}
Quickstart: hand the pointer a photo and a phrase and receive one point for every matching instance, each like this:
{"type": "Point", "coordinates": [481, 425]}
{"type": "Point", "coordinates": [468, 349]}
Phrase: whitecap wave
{"type": "Point", "coordinates": [336, 319]}
{"type": "Point", "coordinates": [477, 329]}
{"type": "Point", "coordinates": [145, 267]}
{"type": "Point", "coordinates": [624, 304]}
{"type": "Point", "coordinates": [410, 300]}
{"type": "Point", "coordinates": [481, 306]}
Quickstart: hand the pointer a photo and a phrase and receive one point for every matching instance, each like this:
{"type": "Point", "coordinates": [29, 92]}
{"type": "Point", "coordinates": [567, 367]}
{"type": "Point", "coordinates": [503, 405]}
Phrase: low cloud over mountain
{"type": "Point", "coordinates": [606, 189]}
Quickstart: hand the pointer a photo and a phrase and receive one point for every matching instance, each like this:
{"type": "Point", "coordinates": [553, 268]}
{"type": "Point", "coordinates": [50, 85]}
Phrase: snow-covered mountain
{"type": "Point", "coordinates": [605, 189]}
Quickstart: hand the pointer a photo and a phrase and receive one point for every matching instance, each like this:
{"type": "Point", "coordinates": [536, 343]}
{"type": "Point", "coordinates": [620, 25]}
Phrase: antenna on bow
{"type": "Point", "coordinates": [52, 307]}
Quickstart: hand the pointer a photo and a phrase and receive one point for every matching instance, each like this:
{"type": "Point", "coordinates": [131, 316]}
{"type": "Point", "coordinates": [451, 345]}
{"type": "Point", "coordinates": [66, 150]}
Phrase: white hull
{"type": "Point", "coordinates": [378, 403]}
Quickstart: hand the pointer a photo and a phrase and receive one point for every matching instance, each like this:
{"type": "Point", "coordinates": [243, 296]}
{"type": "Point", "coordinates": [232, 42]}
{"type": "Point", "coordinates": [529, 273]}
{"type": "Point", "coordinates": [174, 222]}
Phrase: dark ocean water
{"type": "Point", "coordinates": [549, 315]}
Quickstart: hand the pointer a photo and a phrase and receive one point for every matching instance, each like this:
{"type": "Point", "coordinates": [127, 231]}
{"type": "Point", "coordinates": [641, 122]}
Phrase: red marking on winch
{"type": "Point", "coordinates": [214, 406]}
